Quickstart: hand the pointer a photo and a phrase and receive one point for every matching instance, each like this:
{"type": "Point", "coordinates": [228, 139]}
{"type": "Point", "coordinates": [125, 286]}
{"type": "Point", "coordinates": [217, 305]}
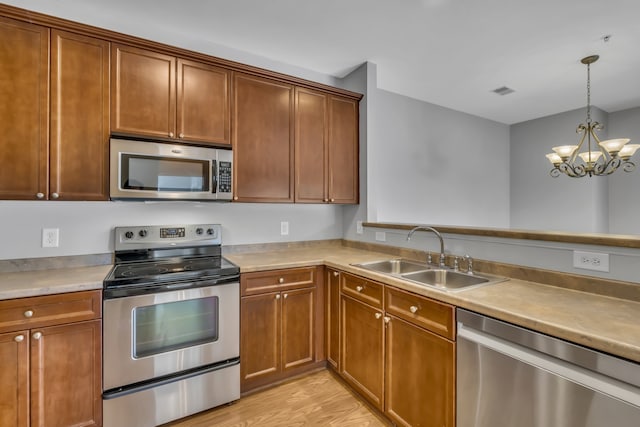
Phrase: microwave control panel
{"type": "Point", "coordinates": [224, 177]}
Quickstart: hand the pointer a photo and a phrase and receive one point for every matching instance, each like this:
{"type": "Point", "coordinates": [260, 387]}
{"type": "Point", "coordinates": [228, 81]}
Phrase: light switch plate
{"type": "Point", "coordinates": [359, 228]}
{"type": "Point", "coordinates": [284, 228]}
{"type": "Point", "coordinates": [381, 236]}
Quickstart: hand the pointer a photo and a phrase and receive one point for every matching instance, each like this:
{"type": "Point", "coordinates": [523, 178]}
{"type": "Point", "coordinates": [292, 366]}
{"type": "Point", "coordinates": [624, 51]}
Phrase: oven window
{"type": "Point", "coordinates": [164, 174]}
{"type": "Point", "coordinates": [171, 326]}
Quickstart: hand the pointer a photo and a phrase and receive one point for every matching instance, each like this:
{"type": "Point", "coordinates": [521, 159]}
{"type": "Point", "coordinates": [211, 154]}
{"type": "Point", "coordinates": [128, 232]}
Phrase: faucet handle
{"type": "Point", "coordinates": [469, 261]}
{"type": "Point", "coordinates": [456, 263]}
{"type": "Point", "coordinates": [429, 259]}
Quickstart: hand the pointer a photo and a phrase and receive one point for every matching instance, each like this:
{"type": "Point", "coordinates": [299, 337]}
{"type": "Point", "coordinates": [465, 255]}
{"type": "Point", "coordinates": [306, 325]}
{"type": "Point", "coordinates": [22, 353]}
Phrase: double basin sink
{"type": "Point", "coordinates": [428, 275]}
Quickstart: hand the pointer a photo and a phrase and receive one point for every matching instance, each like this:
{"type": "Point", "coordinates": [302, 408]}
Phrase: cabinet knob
{"type": "Point", "coordinates": [28, 313]}
{"type": "Point", "coordinates": [378, 315]}
{"type": "Point", "coordinates": [325, 200]}
{"type": "Point", "coordinates": [359, 288]}
{"type": "Point", "coordinates": [235, 198]}
{"type": "Point", "coordinates": [285, 296]}
{"type": "Point", "coordinates": [19, 338]}
{"type": "Point", "coordinates": [37, 335]}
{"type": "Point", "coordinates": [413, 309]}
{"type": "Point", "coordinates": [332, 200]}
{"type": "Point", "coordinates": [277, 296]}
{"type": "Point", "coordinates": [54, 195]}
{"type": "Point", "coordinates": [387, 319]}
{"type": "Point", "coordinates": [170, 134]}
{"type": "Point", "coordinates": [40, 195]}
{"type": "Point", "coordinates": [181, 135]}
{"type": "Point", "coordinates": [281, 280]}
{"type": "Point", "coordinates": [336, 274]}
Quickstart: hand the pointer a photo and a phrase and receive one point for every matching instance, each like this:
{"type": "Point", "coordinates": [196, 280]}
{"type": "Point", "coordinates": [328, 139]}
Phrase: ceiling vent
{"type": "Point", "coordinates": [503, 91]}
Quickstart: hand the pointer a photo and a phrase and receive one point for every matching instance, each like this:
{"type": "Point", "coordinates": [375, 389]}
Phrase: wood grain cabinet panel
{"type": "Point", "coordinates": [14, 379]}
{"type": "Point", "coordinates": [420, 376]}
{"type": "Point", "coordinates": [298, 328]}
{"type": "Point", "coordinates": [24, 110]}
{"type": "Point", "coordinates": [311, 146]}
{"type": "Point", "coordinates": [332, 282]}
{"type": "Point", "coordinates": [143, 93]}
{"type": "Point", "coordinates": [79, 147]}
{"type": "Point", "coordinates": [277, 280]}
{"type": "Point", "coordinates": [263, 139]}
{"type": "Point", "coordinates": [343, 150]}
{"type": "Point", "coordinates": [362, 289]}
{"type": "Point", "coordinates": [362, 364]}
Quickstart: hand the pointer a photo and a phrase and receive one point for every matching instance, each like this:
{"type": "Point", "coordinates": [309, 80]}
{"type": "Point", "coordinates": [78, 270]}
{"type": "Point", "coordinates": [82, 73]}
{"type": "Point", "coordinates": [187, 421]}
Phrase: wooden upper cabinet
{"type": "Point", "coordinates": [263, 139]}
{"type": "Point", "coordinates": [163, 96]}
{"type": "Point", "coordinates": [343, 150]}
{"type": "Point", "coordinates": [24, 110]}
{"type": "Point", "coordinates": [79, 146]}
{"type": "Point", "coordinates": [311, 148]}
{"type": "Point", "coordinates": [143, 95]}
{"type": "Point", "coordinates": [204, 109]}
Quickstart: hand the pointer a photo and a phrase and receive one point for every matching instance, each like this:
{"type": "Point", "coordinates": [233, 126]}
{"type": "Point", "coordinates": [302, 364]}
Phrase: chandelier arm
{"type": "Point", "coordinates": [628, 166]}
{"type": "Point", "coordinates": [583, 129]}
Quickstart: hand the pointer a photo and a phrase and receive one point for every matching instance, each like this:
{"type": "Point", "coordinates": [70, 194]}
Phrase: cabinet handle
{"type": "Point", "coordinates": [28, 313]}
{"type": "Point", "coordinates": [281, 280]}
{"type": "Point", "coordinates": [378, 315]}
{"type": "Point", "coordinates": [359, 288]}
{"type": "Point", "coordinates": [40, 195]}
{"type": "Point", "coordinates": [336, 274]}
{"type": "Point", "coordinates": [170, 134]}
{"type": "Point", "coordinates": [413, 309]}
{"type": "Point", "coordinates": [277, 296]}
{"type": "Point", "coordinates": [285, 296]}
{"type": "Point", "coordinates": [181, 135]}
{"type": "Point", "coordinates": [37, 335]}
{"type": "Point", "coordinates": [19, 338]}
{"type": "Point", "coordinates": [387, 319]}
{"type": "Point", "coordinates": [54, 195]}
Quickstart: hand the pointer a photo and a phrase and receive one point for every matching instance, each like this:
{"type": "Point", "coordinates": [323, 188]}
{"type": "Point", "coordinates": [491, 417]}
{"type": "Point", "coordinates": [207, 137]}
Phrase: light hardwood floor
{"type": "Point", "coordinates": [318, 399]}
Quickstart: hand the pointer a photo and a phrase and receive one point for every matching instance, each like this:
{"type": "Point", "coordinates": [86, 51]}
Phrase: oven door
{"type": "Point", "coordinates": [153, 335]}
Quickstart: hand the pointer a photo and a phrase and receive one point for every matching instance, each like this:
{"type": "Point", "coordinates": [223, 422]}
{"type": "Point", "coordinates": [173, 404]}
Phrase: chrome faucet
{"type": "Point", "coordinates": [437, 233]}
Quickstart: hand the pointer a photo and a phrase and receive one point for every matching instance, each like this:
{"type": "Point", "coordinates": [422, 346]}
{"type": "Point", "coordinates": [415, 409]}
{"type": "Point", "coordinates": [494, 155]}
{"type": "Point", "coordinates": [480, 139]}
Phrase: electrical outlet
{"type": "Point", "coordinates": [359, 229]}
{"type": "Point", "coordinates": [284, 228]}
{"type": "Point", "coordinates": [591, 261]}
{"type": "Point", "coordinates": [50, 237]}
{"type": "Point", "coordinates": [381, 236]}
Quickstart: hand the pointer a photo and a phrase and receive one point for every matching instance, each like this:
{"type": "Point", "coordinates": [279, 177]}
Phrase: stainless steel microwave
{"type": "Point", "coordinates": [143, 170]}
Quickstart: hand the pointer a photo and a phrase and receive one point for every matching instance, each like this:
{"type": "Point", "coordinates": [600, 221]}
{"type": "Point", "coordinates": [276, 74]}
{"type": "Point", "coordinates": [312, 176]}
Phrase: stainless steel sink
{"type": "Point", "coordinates": [429, 275]}
{"type": "Point", "coordinates": [394, 266]}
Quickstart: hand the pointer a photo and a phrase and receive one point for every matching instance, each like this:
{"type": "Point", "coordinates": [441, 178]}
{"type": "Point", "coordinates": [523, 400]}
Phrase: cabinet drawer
{"type": "Point", "coordinates": [434, 316]}
{"type": "Point", "coordinates": [277, 280]}
{"type": "Point", "coordinates": [362, 289]}
{"type": "Point", "coordinates": [48, 310]}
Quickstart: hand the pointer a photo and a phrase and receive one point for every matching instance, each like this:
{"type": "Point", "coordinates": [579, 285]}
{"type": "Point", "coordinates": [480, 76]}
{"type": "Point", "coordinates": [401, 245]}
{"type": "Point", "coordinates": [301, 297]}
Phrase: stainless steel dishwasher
{"type": "Point", "coordinates": [508, 376]}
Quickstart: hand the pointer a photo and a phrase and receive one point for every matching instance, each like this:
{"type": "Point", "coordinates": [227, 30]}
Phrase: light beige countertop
{"type": "Point", "coordinates": [604, 323]}
{"type": "Point", "coordinates": [45, 282]}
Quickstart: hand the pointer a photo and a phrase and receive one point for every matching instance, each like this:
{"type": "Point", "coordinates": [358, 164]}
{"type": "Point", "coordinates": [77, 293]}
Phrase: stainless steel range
{"type": "Point", "coordinates": [171, 325]}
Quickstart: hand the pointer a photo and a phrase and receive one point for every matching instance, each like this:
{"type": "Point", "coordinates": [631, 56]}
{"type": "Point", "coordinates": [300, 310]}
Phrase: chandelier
{"type": "Point", "coordinates": [604, 158]}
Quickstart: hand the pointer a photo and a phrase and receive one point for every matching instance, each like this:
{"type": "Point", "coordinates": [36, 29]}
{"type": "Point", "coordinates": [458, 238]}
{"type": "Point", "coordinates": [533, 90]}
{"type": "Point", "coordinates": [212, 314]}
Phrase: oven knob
{"type": "Point", "coordinates": [199, 231]}
{"type": "Point", "coordinates": [210, 232]}
{"type": "Point", "coordinates": [142, 233]}
{"type": "Point", "coordinates": [128, 235]}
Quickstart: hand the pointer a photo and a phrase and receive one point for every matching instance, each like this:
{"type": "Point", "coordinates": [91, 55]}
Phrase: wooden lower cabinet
{"type": "Point", "coordinates": [51, 368]}
{"type": "Point", "coordinates": [332, 286]}
{"type": "Point", "coordinates": [363, 349]}
{"type": "Point", "coordinates": [419, 376]}
{"type": "Point", "coordinates": [279, 331]}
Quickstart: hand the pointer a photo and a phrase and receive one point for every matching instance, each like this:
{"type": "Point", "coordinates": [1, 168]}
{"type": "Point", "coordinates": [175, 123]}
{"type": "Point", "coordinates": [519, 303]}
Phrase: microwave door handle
{"type": "Point", "coordinates": [214, 176]}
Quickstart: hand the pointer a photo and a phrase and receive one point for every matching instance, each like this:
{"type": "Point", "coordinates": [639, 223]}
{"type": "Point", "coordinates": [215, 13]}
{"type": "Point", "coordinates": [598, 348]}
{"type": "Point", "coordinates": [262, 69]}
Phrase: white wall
{"type": "Point", "coordinates": [86, 227]}
{"type": "Point", "coordinates": [624, 193]}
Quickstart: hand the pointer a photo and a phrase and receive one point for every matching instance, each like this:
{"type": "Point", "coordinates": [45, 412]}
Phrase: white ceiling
{"type": "Point", "coordinates": [448, 52]}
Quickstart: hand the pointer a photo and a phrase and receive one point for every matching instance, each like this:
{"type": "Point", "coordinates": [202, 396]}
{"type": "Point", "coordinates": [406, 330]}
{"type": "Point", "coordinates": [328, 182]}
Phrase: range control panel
{"type": "Point", "coordinates": [158, 236]}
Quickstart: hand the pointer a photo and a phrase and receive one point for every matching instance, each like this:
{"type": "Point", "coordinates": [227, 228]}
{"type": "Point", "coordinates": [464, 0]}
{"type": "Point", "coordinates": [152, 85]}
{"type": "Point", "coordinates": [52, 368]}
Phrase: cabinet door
{"type": "Point", "coordinates": [419, 385]}
{"type": "Point", "coordinates": [143, 94]}
{"type": "Point", "coordinates": [311, 157]}
{"type": "Point", "coordinates": [363, 349]}
{"type": "Point", "coordinates": [263, 140]}
{"type": "Point", "coordinates": [66, 372]}
{"type": "Point", "coordinates": [298, 327]}
{"type": "Point", "coordinates": [79, 153]}
{"type": "Point", "coordinates": [259, 337]}
{"type": "Point", "coordinates": [24, 110]}
{"type": "Point", "coordinates": [14, 379]}
{"type": "Point", "coordinates": [333, 317]}
{"type": "Point", "coordinates": [203, 103]}
{"type": "Point", "coordinates": [343, 150]}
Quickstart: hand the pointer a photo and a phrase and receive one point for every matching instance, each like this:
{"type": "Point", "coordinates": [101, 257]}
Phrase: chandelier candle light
{"type": "Point", "coordinates": [603, 159]}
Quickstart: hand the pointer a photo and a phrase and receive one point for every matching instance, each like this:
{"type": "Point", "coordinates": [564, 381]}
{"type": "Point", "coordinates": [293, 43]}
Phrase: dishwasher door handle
{"type": "Point", "coordinates": [576, 374]}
